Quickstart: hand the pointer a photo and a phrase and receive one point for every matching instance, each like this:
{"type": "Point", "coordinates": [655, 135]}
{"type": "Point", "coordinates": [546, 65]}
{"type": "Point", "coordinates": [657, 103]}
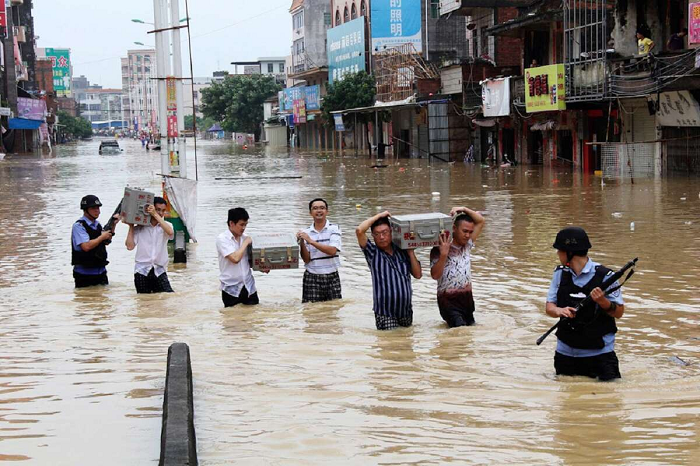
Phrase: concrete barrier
{"type": "Point", "coordinates": [178, 443]}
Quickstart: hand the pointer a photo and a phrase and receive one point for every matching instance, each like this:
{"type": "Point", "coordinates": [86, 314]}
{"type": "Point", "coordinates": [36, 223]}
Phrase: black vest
{"type": "Point", "coordinates": [587, 329]}
{"type": "Point", "coordinates": [96, 257]}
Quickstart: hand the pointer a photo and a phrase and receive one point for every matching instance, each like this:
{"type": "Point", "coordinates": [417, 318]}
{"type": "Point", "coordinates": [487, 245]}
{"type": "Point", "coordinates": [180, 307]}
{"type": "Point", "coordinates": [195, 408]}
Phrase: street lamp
{"type": "Point", "coordinates": [140, 21]}
{"type": "Point", "coordinates": [145, 45]}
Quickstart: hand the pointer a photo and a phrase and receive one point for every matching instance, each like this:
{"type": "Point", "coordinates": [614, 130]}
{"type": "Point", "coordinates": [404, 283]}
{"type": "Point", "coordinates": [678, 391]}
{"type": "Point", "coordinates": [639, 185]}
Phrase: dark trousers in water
{"type": "Point", "coordinates": [84, 281]}
{"type": "Point", "coordinates": [243, 298]}
{"type": "Point", "coordinates": [151, 283]}
{"type": "Point", "coordinates": [604, 366]}
{"type": "Point", "coordinates": [457, 308]}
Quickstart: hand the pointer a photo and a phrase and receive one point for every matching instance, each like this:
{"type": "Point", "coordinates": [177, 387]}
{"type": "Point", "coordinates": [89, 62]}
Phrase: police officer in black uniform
{"type": "Point", "coordinates": [586, 339]}
{"type": "Point", "coordinates": [89, 246]}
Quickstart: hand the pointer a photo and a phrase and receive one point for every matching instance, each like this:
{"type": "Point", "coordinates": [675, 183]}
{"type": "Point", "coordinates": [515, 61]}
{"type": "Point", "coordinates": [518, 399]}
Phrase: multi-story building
{"type": "Point", "coordinates": [103, 105]}
{"type": "Point", "coordinates": [140, 89]}
{"type": "Point", "coordinates": [269, 66]}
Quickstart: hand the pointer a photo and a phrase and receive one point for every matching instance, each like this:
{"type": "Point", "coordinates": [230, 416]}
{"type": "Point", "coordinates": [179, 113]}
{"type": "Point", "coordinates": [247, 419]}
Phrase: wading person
{"type": "Point", "coordinates": [235, 274]}
{"type": "Point", "coordinates": [151, 243]}
{"type": "Point", "coordinates": [451, 267]}
{"type": "Point", "coordinates": [319, 246]}
{"type": "Point", "coordinates": [391, 269]}
{"type": "Point", "coordinates": [89, 246]}
{"type": "Point", "coordinates": [586, 339]}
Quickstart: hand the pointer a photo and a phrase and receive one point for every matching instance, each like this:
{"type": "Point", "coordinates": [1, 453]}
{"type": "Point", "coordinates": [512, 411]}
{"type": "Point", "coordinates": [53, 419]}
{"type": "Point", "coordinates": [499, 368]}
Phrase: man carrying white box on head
{"type": "Point", "coordinates": [391, 268]}
{"type": "Point", "coordinates": [451, 267]}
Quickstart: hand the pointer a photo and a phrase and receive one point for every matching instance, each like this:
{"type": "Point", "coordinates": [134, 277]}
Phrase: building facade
{"type": "Point", "coordinates": [140, 90]}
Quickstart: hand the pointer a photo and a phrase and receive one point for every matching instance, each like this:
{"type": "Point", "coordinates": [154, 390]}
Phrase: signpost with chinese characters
{"type": "Point", "coordinates": [396, 22]}
{"type": "Point", "coordinates": [545, 89]}
{"type": "Point", "coordinates": [60, 62]}
{"type": "Point", "coordinates": [171, 105]}
{"type": "Point", "coordinates": [3, 14]}
{"type": "Point", "coordinates": [346, 49]}
{"type": "Point", "coordinates": [677, 108]}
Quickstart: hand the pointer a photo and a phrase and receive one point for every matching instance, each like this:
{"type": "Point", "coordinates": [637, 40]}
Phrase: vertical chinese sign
{"type": "Point", "coordinates": [694, 23]}
{"type": "Point", "coordinates": [396, 22]}
{"type": "Point", "coordinates": [60, 62]}
{"type": "Point", "coordinates": [171, 103]}
{"type": "Point", "coordinates": [3, 14]}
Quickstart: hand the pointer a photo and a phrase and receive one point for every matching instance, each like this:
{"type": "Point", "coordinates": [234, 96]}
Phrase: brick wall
{"type": "Point", "coordinates": [509, 50]}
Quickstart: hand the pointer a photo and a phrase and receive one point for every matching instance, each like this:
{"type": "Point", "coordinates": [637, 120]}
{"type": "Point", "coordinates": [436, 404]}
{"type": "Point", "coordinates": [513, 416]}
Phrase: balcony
{"type": "Point", "coordinates": [465, 7]}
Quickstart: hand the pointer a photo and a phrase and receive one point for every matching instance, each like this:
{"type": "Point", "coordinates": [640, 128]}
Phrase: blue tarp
{"type": "Point", "coordinates": [215, 128]}
{"type": "Point", "coordinates": [23, 123]}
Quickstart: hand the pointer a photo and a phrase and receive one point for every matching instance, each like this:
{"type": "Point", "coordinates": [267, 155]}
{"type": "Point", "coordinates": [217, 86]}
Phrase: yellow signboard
{"type": "Point", "coordinates": [545, 89]}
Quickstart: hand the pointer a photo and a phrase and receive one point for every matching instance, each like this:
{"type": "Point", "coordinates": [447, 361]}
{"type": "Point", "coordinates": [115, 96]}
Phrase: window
{"type": "Point", "coordinates": [270, 68]}
{"type": "Point", "coordinates": [353, 12]}
{"type": "Point", "coordinates": [434, 8]}
{"type": "Point", "coordinates": [281, 67]}
{"type": "Point", "coordinates": [363, 8]}
{"type": "Point", "coordinates": [298, 20]}
{"type": "Point", "coordinates": [346, 15]}
{"type": "Point", "coordinates": [337, 18]}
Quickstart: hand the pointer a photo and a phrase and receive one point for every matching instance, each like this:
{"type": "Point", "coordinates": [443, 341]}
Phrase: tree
{"type": "Point", "coordinates": [355, 90]}
{"type": "Point", "coordinates": [203, 124]}
{"type": "Point", "coordinates": [237, 102]}
{"type": "Point", "coordinates": [76, 127]}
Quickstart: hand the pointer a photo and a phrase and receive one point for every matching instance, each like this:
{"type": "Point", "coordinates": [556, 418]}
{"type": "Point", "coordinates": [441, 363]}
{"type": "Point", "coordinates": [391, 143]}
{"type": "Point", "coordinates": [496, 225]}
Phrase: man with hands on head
{"type": "Point", "coordinates": [319, 246]}
{"type": "Point", "coordinates": [451, 267]}
{"type": "Point", "coordinates": [151, 244]}
{"type": "Point", "coordinates": [236, 276]}
{"type": "Point", "coordinates": [391, 269]}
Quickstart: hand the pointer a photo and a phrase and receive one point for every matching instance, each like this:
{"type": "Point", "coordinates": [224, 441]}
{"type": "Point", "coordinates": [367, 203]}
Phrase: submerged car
{"type": "Point", "coordinates": [110, 147]}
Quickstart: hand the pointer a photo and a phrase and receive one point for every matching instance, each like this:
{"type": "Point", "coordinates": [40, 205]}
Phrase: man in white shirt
{"type": "Point", "coordinates": [319, 246]}
{"type": "Point", "coordinates": [151, 243]}
{"type": "Point", "coordinates": [236, 277]}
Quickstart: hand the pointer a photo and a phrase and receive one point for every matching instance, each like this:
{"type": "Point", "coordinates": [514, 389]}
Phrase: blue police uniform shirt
{"type": "Point", "coordinates": [80, 236]}
{"type": "Point", "coordinates": [581, 279]}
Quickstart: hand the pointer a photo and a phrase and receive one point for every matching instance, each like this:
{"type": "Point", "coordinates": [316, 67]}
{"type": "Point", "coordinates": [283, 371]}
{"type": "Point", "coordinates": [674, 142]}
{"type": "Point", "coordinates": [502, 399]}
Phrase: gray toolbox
{"type": "Point", "coordinates": [134, 206]}
{"type": "Point", "coordinates": [274, 251]}
{"type": "Point", "coordinates": [419, 230]}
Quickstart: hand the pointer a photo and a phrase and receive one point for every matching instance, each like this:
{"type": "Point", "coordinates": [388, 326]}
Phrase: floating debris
{"type": "Point", "coordinates": [617, 214]}
{"type": "Point", "coordinates": [679, 361]}
{"type": "Point", "coordinates": [632, 226]}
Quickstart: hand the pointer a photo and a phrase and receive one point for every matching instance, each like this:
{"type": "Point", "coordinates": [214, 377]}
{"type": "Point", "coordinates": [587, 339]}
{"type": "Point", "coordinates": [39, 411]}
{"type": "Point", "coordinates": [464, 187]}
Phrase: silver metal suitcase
{"type": "Point", "coordinates": [419, 230]}
{"type": "Point", "coordinates": [274, 251]}
{"type": "Point", "coordinates": [134, 206]}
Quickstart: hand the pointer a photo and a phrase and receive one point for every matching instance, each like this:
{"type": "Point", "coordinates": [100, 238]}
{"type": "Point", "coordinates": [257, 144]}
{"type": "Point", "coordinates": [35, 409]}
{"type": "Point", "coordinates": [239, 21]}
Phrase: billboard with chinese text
{"type": "Point", "coordinates": [545, 89]}
{"type": "Point", "coordinates": [396, 22]}
{"type": "Point", "coordinates": [346, 49]}
{"type": "Point", "coordinates": [694, 23]}
{"type": "Point", "coordinates": [310, 95]}
{"type": "Point", "coordinates": [60, 62]}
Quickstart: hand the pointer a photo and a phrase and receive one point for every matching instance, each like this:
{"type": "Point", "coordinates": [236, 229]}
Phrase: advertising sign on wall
{"type": "Point", "coordinates": [677, 108]}
{"type": "Point", "coordinates": [299, 111]}
{"type": "Point", "coordinates": [396, 22]}
{"type": "Point", "coordinates": [495, 97]}
{"type": "Point", "coordinates": [3, 14]}
{"type": "Point", "coordinates": [545, 89]}
{"type": "Point", "coordinates": [31, 109]}
{"type": "Point", "coordinates": [310, 95]}
{"type": "Point", "coordinates": [60, 62]}
{"type": "Point", "coordinates": [694, 23]}
{"type": "Point", "coordinates": [346, 49]}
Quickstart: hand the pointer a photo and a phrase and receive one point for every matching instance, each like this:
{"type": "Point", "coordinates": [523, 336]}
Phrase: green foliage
{"type": "Point", "coordinates": [203, 124]}
{"type": "Point", "coordinates": [76, 127]}
{"type": "Point", "coordinates": [355, 90]}
{"type": "Point", "coordinates": [237, 102]}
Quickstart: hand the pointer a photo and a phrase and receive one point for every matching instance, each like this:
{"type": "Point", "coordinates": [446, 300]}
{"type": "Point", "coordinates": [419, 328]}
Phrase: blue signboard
{"type": "Point", "coordinates": [396, 22]}
{"type": "Point", "coordinates": [339, 125]}
{"type": "Point", "coordinates": [310, 94]}
{"type": "Point", "coordinates": [346, 49]}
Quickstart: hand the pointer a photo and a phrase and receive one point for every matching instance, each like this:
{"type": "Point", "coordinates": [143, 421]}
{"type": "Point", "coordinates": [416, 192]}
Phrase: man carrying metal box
{"type": "Point", "coordinates": [319, 247]}
{"type": "Point", "coordinates": [451, 267]}
{"type": "Point", "coordinates": [151, 244]}
{"type": "Point", "coordinates": [391, 268]}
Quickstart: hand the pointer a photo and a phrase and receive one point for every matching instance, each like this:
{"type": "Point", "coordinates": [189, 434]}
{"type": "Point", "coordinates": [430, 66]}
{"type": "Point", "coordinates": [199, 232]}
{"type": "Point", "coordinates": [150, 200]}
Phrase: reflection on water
{"type": "Point", "coordinates": [290, 383]}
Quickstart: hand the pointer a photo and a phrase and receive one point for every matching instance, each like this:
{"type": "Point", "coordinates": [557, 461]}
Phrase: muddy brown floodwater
{"type": "Point", "coordinates": [82, 372]}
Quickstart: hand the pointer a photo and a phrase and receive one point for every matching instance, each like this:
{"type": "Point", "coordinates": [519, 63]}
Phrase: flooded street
{"type": "Point", "coordinates": [82, 373]}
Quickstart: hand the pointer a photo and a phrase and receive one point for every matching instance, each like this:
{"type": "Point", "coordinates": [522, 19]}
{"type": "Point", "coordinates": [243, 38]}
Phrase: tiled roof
{"type": "Point", "coordinates": [296, 4]}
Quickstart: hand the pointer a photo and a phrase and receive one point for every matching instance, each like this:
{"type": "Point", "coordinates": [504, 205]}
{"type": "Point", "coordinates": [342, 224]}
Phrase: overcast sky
{"type": "Point", "coordinates": [99, 32]}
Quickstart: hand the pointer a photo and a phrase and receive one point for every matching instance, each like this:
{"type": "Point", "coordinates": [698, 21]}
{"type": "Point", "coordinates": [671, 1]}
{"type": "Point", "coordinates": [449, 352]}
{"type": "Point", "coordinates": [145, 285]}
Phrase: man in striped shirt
{"type": "Point", "coordinates": [391, 269]}
{"type": "Point", "coordinates": [319, 246]}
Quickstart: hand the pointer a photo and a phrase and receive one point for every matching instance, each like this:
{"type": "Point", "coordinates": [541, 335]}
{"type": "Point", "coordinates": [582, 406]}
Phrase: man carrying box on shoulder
{"type": "Point", "coordinates": [451, 267]}
{"type": "Point", "coordinates": [391, 269]}
{"type": "Point", "coordinates": [319, 246]}
{"type": "Point", "coordinates": [236, 277]}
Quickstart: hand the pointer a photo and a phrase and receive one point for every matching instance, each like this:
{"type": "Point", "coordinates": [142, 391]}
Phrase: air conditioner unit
{"type": "Point", "coordinates": [16, 2]}
{"type": "Point", "coordinates": [21, 33]}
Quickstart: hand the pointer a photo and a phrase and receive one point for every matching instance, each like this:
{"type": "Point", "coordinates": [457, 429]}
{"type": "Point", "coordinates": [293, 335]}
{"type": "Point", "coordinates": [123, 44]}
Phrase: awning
{"type": "Point", "coordinates": [22, 123]}
{"type": "Point", "coordinates": [544, 126]}
{"type": "Point", "coordinates": [487, 123]}
{"type": "Point", "coordinates": [382, 106]}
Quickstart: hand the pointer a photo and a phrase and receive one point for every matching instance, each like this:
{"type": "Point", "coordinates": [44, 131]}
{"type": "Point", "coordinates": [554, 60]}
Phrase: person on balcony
{"type": "Point", "coordinates": [677, 40]}
{"type": "Point", "coordinates": [644, 44]}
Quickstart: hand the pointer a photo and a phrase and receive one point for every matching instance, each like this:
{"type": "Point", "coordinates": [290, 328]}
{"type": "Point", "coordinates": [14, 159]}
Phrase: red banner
{"type": "Point", "coordinates": [172, 126]}
{"type": "Point", "coordinates": [3, 14]}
